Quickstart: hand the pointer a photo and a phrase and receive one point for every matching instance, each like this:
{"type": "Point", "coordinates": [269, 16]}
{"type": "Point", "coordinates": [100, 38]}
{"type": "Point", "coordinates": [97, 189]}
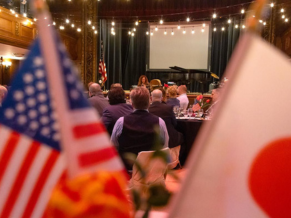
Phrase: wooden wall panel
{"type": "Point", "coordinates": [6, 25]}
{"type": "Point", "coordinates": [26, 32]}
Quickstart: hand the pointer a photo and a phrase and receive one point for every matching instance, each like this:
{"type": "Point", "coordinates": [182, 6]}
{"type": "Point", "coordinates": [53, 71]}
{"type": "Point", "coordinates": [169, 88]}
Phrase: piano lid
{"type": "Point", "coordinates": [183, 70]}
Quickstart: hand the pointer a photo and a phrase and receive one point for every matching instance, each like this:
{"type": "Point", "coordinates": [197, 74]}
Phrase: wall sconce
{"type": "Point", "coordinates": [5, 63]}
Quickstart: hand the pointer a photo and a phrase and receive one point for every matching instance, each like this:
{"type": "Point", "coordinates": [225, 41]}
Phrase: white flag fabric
{"type": "Point", "coordinates": [240, 166]}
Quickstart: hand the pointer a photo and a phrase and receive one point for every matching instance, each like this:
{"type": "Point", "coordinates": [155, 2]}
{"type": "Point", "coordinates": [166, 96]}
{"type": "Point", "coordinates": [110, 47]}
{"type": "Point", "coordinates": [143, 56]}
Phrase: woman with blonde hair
{"type": "Point", "coordinates": [172, 100]}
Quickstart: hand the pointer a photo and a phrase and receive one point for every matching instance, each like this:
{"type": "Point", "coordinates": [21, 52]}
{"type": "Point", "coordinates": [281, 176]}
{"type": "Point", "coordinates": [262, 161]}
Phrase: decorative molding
{"type": "Point", "coordinates": [89, 44]}
{"type": "Point", "coordinates": [17, 28]}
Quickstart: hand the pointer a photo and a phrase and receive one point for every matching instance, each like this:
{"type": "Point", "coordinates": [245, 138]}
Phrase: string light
{"type": "Point", "coordinates": [62, 27]}
{"type": "Point", "coordinates": [214, 29]}
{"type": "Point", "coordinates": [229, 21]}
{"type": "Point", "coordinates": [147, 32]}
{"type": "Point", "coordinates": [282, 10]}
{"type": "Point", "coordinates": [134, 29]}
{"type": "Point", "coordinates": [188, 19]}
{"type": "Point", "coordinates": [16, 15]}
{"type": "Point", "coordinates": [156, 29]}
{"type": "Point", "coordinates": [24, 15]}
{"type": "Point", "coordinates": [89, 22]}
{"type": "Point", "coordinates": [283, 16]}
{"type": "Point", "coordinates": [113, 23]}
{"type": "Point", "coordinates": [236, 26]}
{"type": "Point", "coordinates": [243, 26]}
{"type": "Point", "coordinates": [242, 11]}
{"type": "Point", "coordinates": [73, 25]}
{"type": "Point", "coordinates": [54, 23]}
{"type": "Point", "coordinates": [129, 33]}
{"type": "Point", "coordinates": [132, 34]}
{"type": "Point", "coordinates": [165, 32]}
{"type": "Point", "coordinates": [152, 33]}
{"type": "Point", "coordinates": [272, 5]}
{"type": "Point", "coordinates": [260, 21]}
{"type": "Point", "coordinates": [203, 24]}
{"type": "Point", "coordinates": [214, 15]}
{"type": "Point", "coordinates": [67, 21]}
{"type": "Point", "coordinates": [193, 31]}
{"type": "Point", "coordinates": [202, 30]}
{"type": "Point", "coordinates": [286, 20]}
{"type": "Point", "coordinates": [179, 27]}
{"type": "Point", "coordinates": [34, 19]}
{"type": "Point", "coordinates": [113, 33]}
{"type": "Point", "coordinates": [184, 31]}
{"type": "Point", "coordinates": [264, 23]}
{"type": "Point", "coordinates": [136, 23]}
{"type": "Point", "coordinates": [95, 32]}
{"type": "Point", "coordinates": [79, 29]}
{"type": "Point", "coordinates": [222, 29]}
{"type": "Point", "coordinates": [172, 33]}
{"type": "Point", "coordinates": [161, 21]}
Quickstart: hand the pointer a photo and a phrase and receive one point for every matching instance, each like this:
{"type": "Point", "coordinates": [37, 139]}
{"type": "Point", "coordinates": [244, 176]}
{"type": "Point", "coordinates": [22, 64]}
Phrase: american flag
{"type": "Point", "coordinates": [45, 112]}
{"type": "Point", "coordinates": [102, 67]}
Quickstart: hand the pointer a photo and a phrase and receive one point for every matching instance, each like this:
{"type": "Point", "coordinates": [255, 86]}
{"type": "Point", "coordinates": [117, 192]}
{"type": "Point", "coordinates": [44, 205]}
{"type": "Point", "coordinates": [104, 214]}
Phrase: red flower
{"type": "Point", "coordinates": [208, 100]}
{"type": "Point", "coordinates": [199, 97]}
{"type": "Point", "coordinates": [166, 85]}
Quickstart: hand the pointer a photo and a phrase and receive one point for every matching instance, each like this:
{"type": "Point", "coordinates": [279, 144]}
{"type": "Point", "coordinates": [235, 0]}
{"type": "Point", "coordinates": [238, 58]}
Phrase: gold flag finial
{"type": "Point", "coordinates": [255, 14]}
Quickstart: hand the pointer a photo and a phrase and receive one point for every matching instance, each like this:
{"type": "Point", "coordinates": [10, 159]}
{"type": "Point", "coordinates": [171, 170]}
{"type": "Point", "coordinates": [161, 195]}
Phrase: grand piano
{"type": "Point", "coordinates": [182, 76]}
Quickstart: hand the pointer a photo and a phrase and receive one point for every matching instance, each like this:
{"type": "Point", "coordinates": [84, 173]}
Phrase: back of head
{"type": "Point", "coordinates": [140, 98]}
{"type": "Point", "coordinates": [94, 89]}
{"type": "Point", "coordinates": [182, 89]}
{"type": "Point", "coordinates": [116, 95]}
{"type": "Point", "coordinates": [157, 95]}
{"type": "Point", "coordinates": [3, 93]}
{"type": "Point", "coordinates": [115, 85]}
{"type": "Point", "coordinates": [172, 91]}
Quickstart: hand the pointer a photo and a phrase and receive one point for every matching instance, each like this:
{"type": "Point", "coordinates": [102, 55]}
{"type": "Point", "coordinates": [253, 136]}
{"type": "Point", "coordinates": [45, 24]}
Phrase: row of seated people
{"type": "Point", "coordinates": [132, 127]}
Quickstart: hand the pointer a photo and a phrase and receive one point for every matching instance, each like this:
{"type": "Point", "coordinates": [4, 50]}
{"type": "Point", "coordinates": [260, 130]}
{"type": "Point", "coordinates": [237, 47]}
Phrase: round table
{"type": "Point", "coordinates": [190, 130]}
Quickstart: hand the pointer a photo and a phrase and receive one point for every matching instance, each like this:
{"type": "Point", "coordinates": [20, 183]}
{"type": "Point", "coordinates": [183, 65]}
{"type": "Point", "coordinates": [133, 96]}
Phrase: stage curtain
{"type": "Point", "coordinates": [125, 55]}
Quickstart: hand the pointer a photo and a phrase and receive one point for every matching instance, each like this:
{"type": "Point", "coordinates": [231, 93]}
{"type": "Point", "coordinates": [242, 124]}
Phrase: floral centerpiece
{"type": "Point", "coordinates": [203, 103]}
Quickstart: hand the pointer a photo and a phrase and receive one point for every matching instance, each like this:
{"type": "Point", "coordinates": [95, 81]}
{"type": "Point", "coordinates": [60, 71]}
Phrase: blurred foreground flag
{"type": "Point", "coordinates": [45, 112]}
{"type": "Point", "coordinates": [240, 166]}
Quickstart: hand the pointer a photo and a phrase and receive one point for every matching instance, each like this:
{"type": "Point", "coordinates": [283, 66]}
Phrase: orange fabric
{"type": "Point", "coordinates": [87, 196]}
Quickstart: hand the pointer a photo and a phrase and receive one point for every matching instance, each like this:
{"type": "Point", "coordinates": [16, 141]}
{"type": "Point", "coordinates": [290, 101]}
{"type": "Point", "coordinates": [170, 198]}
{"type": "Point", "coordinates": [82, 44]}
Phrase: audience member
{"type": "Point", "coordinates": [165, 112]}
{"type": "Point", "coordinates": [97, 99]}
{"type": "Point", "coordinates": [117, 108]}
{"type": "Point", "coordinates": [172, 100]}
{"type": "Point", "coordinates": [164, 100]}
{"type": "Point", "coordinates": [136, 132]}
{"type": "Point", "coordinates": [3, 93]}
{"type": "Point", "coordinates": [184, 101]}
{"type": "Point", "coordinates": [215, 99]}
{"type": "Point", "coordinates": [115, 85]}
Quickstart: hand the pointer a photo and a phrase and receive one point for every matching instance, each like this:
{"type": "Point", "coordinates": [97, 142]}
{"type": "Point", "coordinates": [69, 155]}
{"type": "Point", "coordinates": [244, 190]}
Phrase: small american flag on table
{"type": "Point", "coordinates": [35, 127]}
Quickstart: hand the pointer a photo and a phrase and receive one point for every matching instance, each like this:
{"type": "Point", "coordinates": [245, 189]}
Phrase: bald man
{"type": "Point", "coordinates": [3, 93]}
{"type": "Point", "coordinates": [165, 112]}
{"type": "Point", "coordinates": [97, 99]}
{"type": "Point", "coordinates": [183, 98]}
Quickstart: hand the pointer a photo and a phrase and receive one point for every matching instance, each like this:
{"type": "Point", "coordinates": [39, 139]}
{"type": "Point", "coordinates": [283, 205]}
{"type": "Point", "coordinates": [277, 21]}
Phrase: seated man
{"type": "Point", "coordinates": [97, 99]}
{"type": "Point", "coordinates": [165, 112]}
{"type": "Point", "coordinates": [184, 101]}
{"type": "Point", "coordinates": [136, 132]}
{"type": "Point", "coordinates": [117, 108]}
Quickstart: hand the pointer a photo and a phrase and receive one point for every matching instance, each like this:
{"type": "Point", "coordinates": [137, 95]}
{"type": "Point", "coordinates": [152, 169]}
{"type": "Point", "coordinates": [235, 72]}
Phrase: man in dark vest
{"type": "Point", "coordinates": [135, 132]}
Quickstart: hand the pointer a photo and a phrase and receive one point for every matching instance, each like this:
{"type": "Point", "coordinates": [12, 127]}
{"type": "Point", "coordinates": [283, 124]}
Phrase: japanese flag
{"type": "Point", "coordinates": [241, 164]}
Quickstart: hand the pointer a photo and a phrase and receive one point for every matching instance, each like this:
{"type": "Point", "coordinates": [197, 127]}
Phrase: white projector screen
{"type": "Point", "coordinates": [188, 50]}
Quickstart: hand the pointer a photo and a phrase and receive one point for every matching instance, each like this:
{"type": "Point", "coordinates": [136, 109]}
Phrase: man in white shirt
{"type": "Point", "coordinates": [184, 101]}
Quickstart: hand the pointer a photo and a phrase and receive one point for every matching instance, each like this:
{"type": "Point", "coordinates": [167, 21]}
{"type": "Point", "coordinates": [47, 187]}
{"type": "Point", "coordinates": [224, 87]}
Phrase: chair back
{"type": "Point", "coordinates": [155, 84]}
{"type": "Point", "coordinates": [174, 154]}
{"type": "Point", "coordinates": [155, 168]}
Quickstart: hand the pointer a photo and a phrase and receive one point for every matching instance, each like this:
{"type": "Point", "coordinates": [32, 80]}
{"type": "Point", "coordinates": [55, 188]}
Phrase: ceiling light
{"type": "Point", "coordinates": [214, 15]}
{"type": "Point", "coordinates": [161, 21]}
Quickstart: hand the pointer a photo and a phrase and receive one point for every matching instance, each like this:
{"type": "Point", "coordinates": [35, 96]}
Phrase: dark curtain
{"type": "Point", "coordinates": [126, 56]}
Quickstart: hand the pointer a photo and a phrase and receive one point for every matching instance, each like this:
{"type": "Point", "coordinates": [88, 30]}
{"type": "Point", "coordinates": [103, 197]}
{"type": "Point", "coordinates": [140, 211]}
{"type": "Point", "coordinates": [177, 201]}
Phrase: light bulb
{"type": "Point", "coordinates": [264, 23]}
{"type": "Point", "coordinates": [161, 21]}
{"type": "Point", "coordinates": [89, 22]}
{"type": "Point", "coordinates": [79, 30]}
{"type": "Point", "coordinates": [73, 25]}
{"type": "Point", "coordinates": [95, 32]}
{"type": "Point", "coordinates": [282, 10]}
{"type": "Point", "coordinates": [24, 15]}
{"type": "Point", "coordinates": [214, 15]}
{"type": "Point", "coordinates": [165, 32]}
{"type": "Point", "coordinates": [134, 29]}
{"type": "Point", "coordinates": [260, 21]}
{"type": "Point", "coordinates": [34, 19]}
{"type": "Point", "coordinates": [214, 29]}
{"type": "Point", "coordinates": [283, 16]}
{"type": "Point", "coordinates": [136, 23]}
{"type": "Point", "coordinates": [188, 19]}
{"type": "Point", "coordinates": [172, 33]}
{"type": "Point", "coordinates": [54, 23]}
{"type": "Point", "coordinates": [179, 27]}
{"type": "Point", "coordinates": [113, 33]}
{"type": "Point", "coordinates": [242, 11]}
{"type": "Point", "coordinates": [272, 4]}
{"type": "Point", "coordinates": [152, 33]}
{"type": "Point", "coordinates": [236, 26]}
{"type": "Point", "coordinates": [156, 29]}
{"type": "Point", "coordinates": [129, 33]}
{"type": "Point", "coordinates": [67, 21]}
{"type": "Point", "coordinates": [147, 32]}
{"type": "Point", "coordinates": [286, 20]}
{"type": "Point", "coordinates": [193, 31]}
{"type": "Point", "coordinates": [202, 30]}
{"type": "Point", "coordinates": [184, 31]}
{"type": "Point", "coordinates": [222, 29]}
{"type": "Point", "coordinates": [229, 21]}
{"type": "Point", "coordinates": [203, 24]}
{"type": "Point", "coordinates": [113, 23]}
{"type": "Point", "coordinates": [243, 26]}
{"type": "Point", "coordinates": [112, 29]}
{"type": "Point", "coordinates": [16, 15]}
